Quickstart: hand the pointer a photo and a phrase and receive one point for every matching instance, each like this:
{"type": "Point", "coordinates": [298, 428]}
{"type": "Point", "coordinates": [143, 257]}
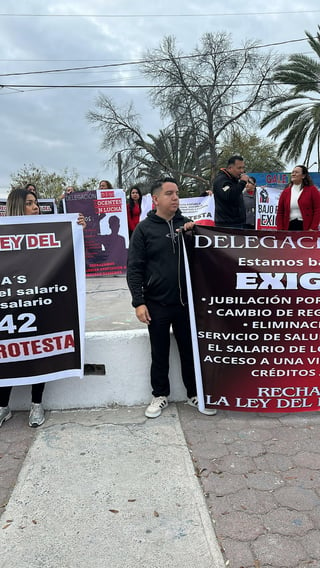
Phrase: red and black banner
{"type": "Point", "coordinates": [256, 318]}
{"type": "Point", "coordinates": [42, 299]}
{"type": "Point", "coordinates": [106, 236]}
{"type": "Point", "coordinates": [46, 206]}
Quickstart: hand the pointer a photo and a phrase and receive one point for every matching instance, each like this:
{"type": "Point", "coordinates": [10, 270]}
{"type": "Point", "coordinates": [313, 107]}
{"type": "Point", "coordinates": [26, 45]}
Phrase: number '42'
{"type": "Point", "coordinates": [8, 325]}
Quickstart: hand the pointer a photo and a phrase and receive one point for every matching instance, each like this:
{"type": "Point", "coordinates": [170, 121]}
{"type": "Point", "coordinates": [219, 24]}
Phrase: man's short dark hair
{"type": "Point", "coordinates": [232, 160]}
{"type": "Point", "coordinates": [159, 183]}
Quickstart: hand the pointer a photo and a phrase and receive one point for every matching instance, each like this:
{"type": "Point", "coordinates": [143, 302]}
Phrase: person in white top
{"type": "Point", "coordinates": [299, 203]}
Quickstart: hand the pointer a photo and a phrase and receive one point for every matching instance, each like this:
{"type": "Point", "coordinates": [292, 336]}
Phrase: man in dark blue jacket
{"type": "Point", "coordinates": [227, 190]}
{"type": "Point", "coordinates": [156, 279]}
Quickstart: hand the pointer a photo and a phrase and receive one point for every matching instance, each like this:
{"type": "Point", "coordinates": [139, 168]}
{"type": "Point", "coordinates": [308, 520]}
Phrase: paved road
{"type": "Point", "coordinates": [261, 477]}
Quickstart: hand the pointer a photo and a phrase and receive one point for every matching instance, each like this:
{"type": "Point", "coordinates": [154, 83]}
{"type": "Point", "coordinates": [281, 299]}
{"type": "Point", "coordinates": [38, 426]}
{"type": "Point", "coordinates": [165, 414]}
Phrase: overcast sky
{"type": "Point", "coordinates": [48, 126]}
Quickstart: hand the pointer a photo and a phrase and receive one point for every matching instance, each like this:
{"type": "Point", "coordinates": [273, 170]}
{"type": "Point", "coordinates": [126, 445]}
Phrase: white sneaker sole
{"type": "Point", "coordinates": [156, 414]}
{"type": "Point", "coordinates": [36, 424]}
{"type": "Point", "coordinates": [206, 411]}
{"type": "Point", "coordinates": [149, 415]}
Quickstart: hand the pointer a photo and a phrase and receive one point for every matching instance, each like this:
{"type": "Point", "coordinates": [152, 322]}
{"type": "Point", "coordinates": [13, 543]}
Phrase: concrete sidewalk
{"type": "Point", "coordinates": [108, 488]}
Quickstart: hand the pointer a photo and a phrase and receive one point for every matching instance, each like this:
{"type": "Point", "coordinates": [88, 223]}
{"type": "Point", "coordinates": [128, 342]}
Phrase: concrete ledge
{"type": "Point", "coordinates": [126, 356]}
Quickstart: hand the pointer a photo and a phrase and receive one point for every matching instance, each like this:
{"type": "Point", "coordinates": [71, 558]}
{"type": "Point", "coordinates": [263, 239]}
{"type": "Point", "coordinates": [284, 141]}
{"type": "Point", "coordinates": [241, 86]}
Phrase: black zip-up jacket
{"type": "Point", "coordinates": [155, 269]}
{"type": "Point", "coordinates": [229, 205]}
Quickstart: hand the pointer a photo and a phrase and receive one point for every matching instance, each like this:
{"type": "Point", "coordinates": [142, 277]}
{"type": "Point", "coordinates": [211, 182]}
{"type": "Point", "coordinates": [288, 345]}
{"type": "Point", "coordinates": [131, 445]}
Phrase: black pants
{"type": "Point", "coordinates": [36, 394]}
{"type": "Point", "coordinates": [296, 225]}
{"type": "Point", "coordinates": [159, 332]}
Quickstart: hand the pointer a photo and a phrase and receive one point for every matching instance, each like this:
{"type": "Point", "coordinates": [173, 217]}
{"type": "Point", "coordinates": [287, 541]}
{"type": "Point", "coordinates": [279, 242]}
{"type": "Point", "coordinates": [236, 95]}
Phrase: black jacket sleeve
{"type": "Point", "coordinates": [136, 267]}
{"type": "Point", "coordinates": [228, 190]}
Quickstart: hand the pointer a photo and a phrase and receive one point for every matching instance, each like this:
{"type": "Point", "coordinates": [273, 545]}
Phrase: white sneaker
{"type": "Point", "coordinates": [156, 406]}
{"type": "Point", "coordinates": [36, 416]}
{"type": "Point", "coordinates": [5, 414]}
{"type": "Point", "coordinates": [195, 403]}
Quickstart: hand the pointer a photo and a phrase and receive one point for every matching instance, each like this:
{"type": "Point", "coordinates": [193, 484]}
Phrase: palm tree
{"type": "Point", "coordinates": [298, 109]}
{"type": "Point", "coordinates": [174, 152]}
{"type": "Point", "coordinates": [260, 154]}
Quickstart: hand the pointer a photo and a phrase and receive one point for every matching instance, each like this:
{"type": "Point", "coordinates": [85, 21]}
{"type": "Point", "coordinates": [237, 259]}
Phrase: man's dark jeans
{"type": "Point", "coordinates": [159, 332]}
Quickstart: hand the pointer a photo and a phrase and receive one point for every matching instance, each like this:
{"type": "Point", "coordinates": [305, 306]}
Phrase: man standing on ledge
{"type": "Point", "coordinates": [227, 190]}
{"type": "Point", "coordinates": [156, 279]}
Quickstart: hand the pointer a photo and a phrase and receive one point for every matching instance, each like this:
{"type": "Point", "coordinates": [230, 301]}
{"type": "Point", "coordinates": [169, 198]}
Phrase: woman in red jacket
{"type": "Point", "coordinates": [299, 203]}
{"type": "Point", "coordinates": [134, 208]}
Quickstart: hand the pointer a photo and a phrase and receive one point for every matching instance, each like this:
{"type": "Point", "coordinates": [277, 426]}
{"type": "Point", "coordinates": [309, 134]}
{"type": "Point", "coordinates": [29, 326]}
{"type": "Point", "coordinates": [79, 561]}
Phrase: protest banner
{"type": "Point", "coordinates": [3, 207]}
{"type": "Point", "coordinates": [267, 199]}
{"type": "Point", "coordinates": [280, 180]}
{"type": "Point", "coordinates": [42, 299]}
{"type": "Point", "coordinates": [199, 209]}
{"type": "Point", "coordinates": [46, 206]}
{"type": "Point", "coordinates": [146, 205]}
{"type": "Point", "coordinates": [106, 236]}
{"type": "Point", "coordinates": [255, 323]}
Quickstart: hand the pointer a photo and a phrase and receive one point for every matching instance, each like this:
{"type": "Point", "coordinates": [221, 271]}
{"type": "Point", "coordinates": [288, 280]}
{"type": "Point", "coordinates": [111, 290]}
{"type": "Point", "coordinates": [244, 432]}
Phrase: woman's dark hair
{"type": "Point", "coordinates": [307, 180]}
{"type": "Point", "coordinates": [109, 184]}
{"type": "Point", "coordinates": [16, 201]}
{"type": "Point", "coordinates": [31, 185]}
{"type": "Point", "coordinates": [131, 201]}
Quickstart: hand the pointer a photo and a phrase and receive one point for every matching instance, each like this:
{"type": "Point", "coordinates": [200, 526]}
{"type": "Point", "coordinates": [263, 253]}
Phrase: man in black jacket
{"type": "Point", "coordinates": [156, 279]}
{"type": "Point", "coordinates": [227, 190]}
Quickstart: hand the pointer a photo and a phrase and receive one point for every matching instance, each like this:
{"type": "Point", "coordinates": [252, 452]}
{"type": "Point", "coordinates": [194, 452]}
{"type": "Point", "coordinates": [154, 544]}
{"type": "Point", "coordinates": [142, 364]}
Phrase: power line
{"type": "Point", "coordinates": [135, 16]}
{"type": "Point", "coordinates": [86, 60]}
{"type": "Point", "coordinates": [306, 83]}
{"type": "Point", "coordinates": [142, 61]}
{"type": "Point", "coordinates": [46, 60]}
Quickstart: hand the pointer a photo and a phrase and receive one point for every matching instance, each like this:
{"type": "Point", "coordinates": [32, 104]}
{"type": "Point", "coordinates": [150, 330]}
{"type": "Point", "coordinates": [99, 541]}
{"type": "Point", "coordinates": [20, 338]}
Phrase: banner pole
{"type": "Point", "coordinates": [195, 347]}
